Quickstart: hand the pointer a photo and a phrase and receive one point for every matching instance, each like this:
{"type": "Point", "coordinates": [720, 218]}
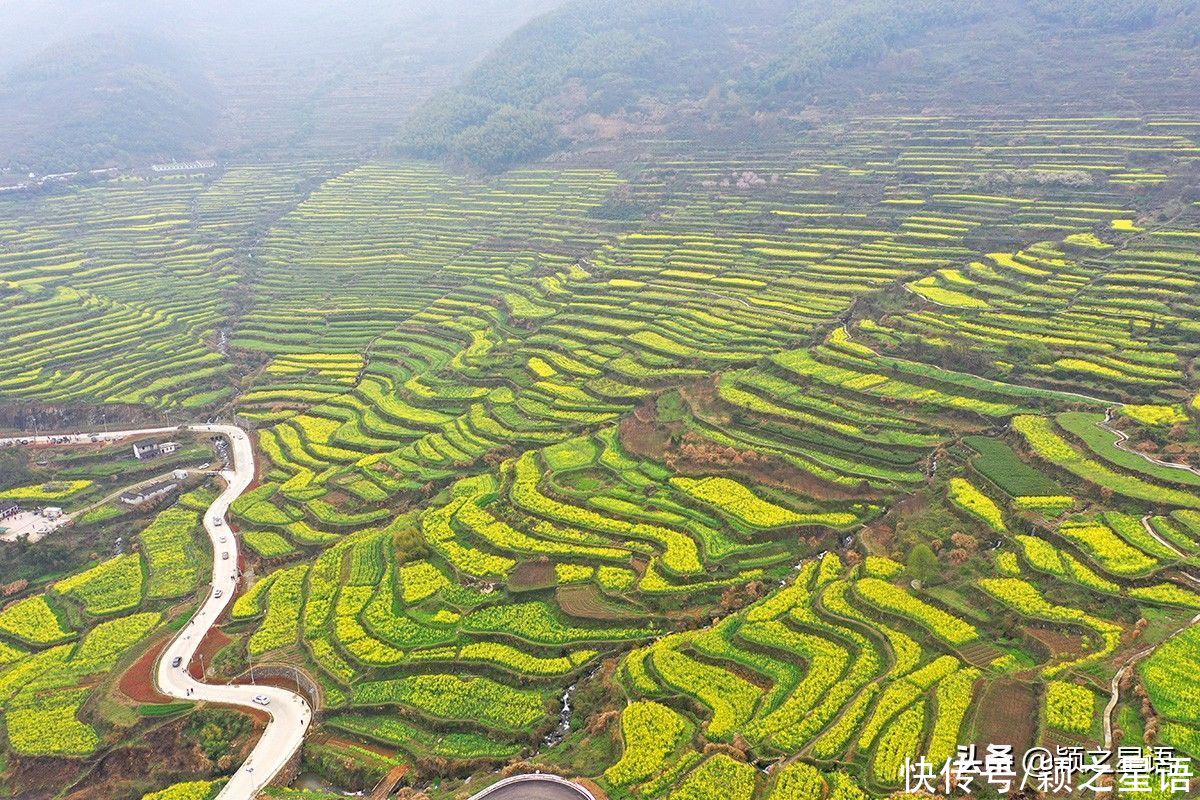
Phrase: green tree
{"type": "Point", "coordinates": [923, 564]}
{"type": "Point", "coordinates": [216, 731]}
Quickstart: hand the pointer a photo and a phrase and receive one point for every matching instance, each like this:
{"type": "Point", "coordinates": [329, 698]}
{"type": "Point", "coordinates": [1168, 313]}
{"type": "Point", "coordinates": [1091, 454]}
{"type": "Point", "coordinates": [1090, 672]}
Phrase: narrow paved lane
{"type": "Point", "coordinates": [290, 715]}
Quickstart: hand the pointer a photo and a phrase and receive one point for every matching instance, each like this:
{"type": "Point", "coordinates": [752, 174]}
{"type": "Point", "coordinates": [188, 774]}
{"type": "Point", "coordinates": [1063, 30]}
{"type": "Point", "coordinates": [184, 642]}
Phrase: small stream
{"type": "Point", "coordinates": [564, 720]}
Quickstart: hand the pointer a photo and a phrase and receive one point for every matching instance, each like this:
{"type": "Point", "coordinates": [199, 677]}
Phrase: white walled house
{"type": "Point", "coordinates": [144, 450]}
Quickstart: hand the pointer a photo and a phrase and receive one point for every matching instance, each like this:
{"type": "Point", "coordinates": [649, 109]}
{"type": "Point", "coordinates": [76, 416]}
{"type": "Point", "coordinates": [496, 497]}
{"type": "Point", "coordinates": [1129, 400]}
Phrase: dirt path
{"type": "Point", "coordinates": [1115, 692]}
{"type": "Point", "coordinates": [389, 783]}
{"type": "Point", "coordinates": [1130, 663]}
{"type": "Point", "coordinates": [1123, 437]}
{"type": "Point", "coordinates": [139, 485]}
{"type": "Point", "coordinates": [1159, 538]}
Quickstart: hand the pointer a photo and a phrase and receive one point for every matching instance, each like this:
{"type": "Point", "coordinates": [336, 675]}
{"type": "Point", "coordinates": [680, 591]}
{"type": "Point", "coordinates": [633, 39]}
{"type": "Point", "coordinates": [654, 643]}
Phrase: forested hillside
{"type": "Point", "coordinates": [421, 78]}
{"type": "Point", "coordinates": [600, 70]}
{"type": "Point", "coordinates": [101, 98]}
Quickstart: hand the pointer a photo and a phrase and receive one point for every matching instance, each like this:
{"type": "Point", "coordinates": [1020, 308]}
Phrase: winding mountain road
{"type": "Point", "coordinates": [290, 715]}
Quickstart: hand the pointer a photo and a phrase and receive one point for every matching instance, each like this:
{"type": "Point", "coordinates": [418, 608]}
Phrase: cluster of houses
{"type": "Point", "coordinates": [156, 491]}
{"type": "Point", "coordinates": [138, 497]}
{"type": "Point", "coordinates": [184, 166]}
{"type": "Point", "coordinates": [10, 509]}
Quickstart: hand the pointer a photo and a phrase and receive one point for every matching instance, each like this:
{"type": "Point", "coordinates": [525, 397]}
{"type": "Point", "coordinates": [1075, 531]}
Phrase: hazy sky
{"type": "Point", "coordinates": [327, 76]}
{"type": "Point", "coordinates": [238, 27]}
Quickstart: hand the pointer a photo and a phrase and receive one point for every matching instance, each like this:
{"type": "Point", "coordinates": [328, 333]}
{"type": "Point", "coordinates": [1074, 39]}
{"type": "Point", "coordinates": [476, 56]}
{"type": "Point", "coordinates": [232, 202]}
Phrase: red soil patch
{"type": "Point", "coordinates": [585, 601]}
{"type": "Point", "coordinates": [138, 681]}
{"type": "Point", "coordinates": [981, 653]}
{"type": "Point", "coordinates": [532, 575]}
{"type": "Point", "coordinates": [1061, 645]}
{"type": "Point", "coordinates": [1007, 715]}
{"type": "Point", "coordinates": [878, 538]}
{"type": "Point", "coordinates": [642, 437]}
{"type": "Point", "coordinates": [213, 642]}
{"type": "Point", "coordinates": [697, 456]}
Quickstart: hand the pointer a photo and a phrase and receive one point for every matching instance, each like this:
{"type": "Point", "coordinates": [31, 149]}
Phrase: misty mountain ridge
{"type": "Point", "coordinates": [259, 81]}
{"type": "Point", "coordinates": [592, 71]}
{"type": "Point", "coordinates": [502, 83]}
{"type": "Point", "coordinates": [104, 98]}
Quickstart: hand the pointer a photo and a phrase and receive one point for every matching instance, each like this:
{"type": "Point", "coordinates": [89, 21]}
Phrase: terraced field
{"type": "Point", "coordinates": [795, 458]}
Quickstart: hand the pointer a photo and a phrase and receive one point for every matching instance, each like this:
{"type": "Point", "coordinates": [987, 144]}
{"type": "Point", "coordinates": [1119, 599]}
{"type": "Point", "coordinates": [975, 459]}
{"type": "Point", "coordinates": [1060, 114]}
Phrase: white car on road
{"type": "Point", "coordinates": [288, 721]}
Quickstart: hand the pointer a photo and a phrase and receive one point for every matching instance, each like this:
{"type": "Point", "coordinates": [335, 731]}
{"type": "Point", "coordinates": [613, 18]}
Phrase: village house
{"type": "Point", "coordinates": [148, 494]}
{"type": "Point", "coordinates": [144, 450]}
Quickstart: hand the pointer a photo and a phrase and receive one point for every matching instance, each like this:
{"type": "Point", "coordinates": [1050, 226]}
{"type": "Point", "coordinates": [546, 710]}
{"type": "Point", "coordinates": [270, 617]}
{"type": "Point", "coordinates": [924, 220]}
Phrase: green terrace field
{"type": "Point", "coordinates": [63, 642]}
{"type": "Point", "coordinates": [807, 457]}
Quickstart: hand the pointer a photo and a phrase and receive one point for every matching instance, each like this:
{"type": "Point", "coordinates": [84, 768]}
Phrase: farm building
{"type": "Point", "coordinates": [8, 509]}
{"type": "Point", "coordinates": [153, 492]}
{"type": "Point", "coordinates": [144, 450]}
